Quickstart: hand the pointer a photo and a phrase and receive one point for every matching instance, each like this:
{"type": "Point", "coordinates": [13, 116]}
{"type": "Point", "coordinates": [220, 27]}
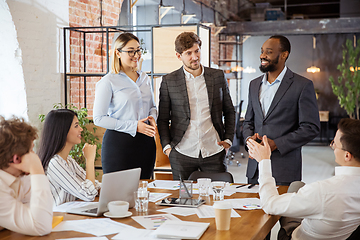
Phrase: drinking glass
{"type": "Point", "coordinates": [143, 186]}
{"type": "Point", "coordinates": [218, 188]}
{"type": "Point", "coordinates": [204, 185]}
{"type": "Point", "coordinates": [185, 189]}
{"type": "Point", "coordinates": [141, 200]}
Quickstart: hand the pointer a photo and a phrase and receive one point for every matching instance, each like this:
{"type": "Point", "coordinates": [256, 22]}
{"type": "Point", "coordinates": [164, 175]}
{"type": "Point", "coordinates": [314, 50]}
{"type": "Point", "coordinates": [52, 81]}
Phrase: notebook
{"type": "Point", "coordinates": [115, 186]}
{"type": "Point", "coordinates": [181, 229]}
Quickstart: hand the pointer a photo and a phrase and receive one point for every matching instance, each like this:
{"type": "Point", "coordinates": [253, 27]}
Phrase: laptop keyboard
{"type": "Point", "coordinates": [93, 210]}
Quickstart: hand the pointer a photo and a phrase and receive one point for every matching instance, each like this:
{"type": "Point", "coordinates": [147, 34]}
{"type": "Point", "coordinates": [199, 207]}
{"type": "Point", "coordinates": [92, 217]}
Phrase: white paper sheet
{"type": "Point", "coordinates": [69, 205]}
{"type": "Point", "coordinates": [165, 184]}
{"type": "Point", "coordinates": [182, 211]}
{"type": "Point", "coordinates": [84, 238]}
{"type": "Point", "coordinates": [154, 221]}
{"type": "Point", "coordinates": [206, 211]}
{"type": "Point", "coordinates": [245, 203]}
{"type": "Point", "coordinates": [97, 227]}
{"type": "Point", "coordinates": [154, 197]}
{"type": "Point", "coordinates": [138, 234]}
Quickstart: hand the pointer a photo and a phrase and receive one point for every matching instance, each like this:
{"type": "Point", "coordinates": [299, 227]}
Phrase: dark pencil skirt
{"type": "Point", "coordinates": [121, 151]}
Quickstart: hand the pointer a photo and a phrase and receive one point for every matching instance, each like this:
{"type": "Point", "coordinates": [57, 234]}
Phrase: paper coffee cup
{"type": "Point", "coordinates": [118, 208]}
{"type": "Point", "coordinates": [222, 215]}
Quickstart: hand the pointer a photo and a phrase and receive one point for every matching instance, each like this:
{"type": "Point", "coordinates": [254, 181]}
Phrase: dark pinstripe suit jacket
{"type": "Point", "coordinates": [291, 121]}
{"type": "Point", "coordinates": [174, 108]}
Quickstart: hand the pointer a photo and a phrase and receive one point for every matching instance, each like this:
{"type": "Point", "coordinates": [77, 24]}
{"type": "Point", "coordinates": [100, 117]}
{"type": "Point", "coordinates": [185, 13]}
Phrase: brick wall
{"type": "Point", "coordinates": [86, 13]}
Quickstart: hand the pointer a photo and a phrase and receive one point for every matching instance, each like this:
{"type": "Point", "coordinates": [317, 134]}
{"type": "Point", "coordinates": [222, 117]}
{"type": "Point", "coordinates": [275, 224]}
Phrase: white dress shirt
{"type": "Point", "coordinates": [330, 208]}
{"type": "Point", "coordinates": [68, 181]}
{"type": "Point", "coordinates": [268, 91]}
{"type": "Point", "coordinates": [120, 102]}
{"type": "Point", "coordinates": [25, 204]}
{"type": "Point", "coordinates": [201, 135]}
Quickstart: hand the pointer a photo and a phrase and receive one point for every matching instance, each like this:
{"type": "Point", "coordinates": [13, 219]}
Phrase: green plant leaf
{"type": "Point", "coordinates": [347, 86]}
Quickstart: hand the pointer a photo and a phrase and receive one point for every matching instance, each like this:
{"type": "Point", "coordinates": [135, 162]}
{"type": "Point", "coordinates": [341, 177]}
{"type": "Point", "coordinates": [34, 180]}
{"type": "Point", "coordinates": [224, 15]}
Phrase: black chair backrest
{"type": "Point", "coordinates": [223, 176]}
{"type": "Point", "coordinates": [355, 235]}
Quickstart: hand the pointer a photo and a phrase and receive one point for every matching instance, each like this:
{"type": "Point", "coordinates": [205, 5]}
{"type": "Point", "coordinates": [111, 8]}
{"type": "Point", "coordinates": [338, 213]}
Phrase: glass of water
{"type": "Point", "coordinates": [218, 188]}
{"type": "Point", "coordinates": [141, 200]}
{"type": "Point", "coordinates": [204, 185]}
{"type": "Point", "coordinates": [143, 185]}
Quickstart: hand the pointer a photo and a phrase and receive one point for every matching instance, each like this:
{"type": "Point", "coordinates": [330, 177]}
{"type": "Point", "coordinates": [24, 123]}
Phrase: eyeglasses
{"type": "Point", "coordinates": [333, 146]}
{"type": "Point", "coordinates": [131, 53]}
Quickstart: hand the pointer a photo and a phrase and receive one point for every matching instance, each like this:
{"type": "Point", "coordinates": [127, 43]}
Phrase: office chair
{"type": "Point", "coordinates": [222, 176]}
{"type": "Point", "coordinates": [238, 139]}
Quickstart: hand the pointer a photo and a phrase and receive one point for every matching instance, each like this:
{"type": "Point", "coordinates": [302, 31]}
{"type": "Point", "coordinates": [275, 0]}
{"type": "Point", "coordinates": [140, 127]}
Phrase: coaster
{"type": "Point", "coordinates": [108, 214]}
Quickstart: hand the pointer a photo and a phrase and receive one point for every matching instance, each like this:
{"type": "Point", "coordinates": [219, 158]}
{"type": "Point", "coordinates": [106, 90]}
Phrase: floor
{"type": "Point", "coordinates": [318, 164]}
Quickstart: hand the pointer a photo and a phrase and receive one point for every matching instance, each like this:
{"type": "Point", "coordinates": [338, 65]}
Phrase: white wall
{"type": "Point", "coordinates": [39, 29]}
{"type": "Point", "coordinates": [12, 85]}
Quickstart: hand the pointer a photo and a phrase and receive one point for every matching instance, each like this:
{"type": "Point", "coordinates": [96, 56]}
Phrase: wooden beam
{"type": "Point", "coordinates": [132, 4]}
{"type": "Point", "coordinates": [218, 30]}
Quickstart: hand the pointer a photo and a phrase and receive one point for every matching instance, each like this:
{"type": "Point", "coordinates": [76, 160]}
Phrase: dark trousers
{"type": "Point", "coordinates": [289, 224]}
{"type": "Point", "coordinates": [183, 166]}
{"type": "Point", "coordinates": [121, 151]}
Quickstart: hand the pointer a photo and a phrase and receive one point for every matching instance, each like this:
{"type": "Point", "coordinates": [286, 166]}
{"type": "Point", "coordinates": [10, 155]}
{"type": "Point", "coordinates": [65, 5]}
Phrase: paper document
{"type": "Point", "coordinates": [254, 189]}
{"type": "Point", "coordinates": [97, 227]}
{"type": "Point", "coordinates": [84, 238]}
{"type": "Point", "coordinates": [182, 211]}
{"type": "Point", "coordinates": [138, 234]}
{"type": "Point", "coordinates": [183, 229]}
{"type": "Point", "coordinates": [154, 221]}
{"type": "Point", "coordinates": [165, 184]}
{"type": "Point", "coordinates": [245, 203]}
{"type": "Point", "coordinates": [69, 205]}
{"type": "Point", "coordinates": [206, 211]}
{"type": "Point", "coordinates": [154, 197]}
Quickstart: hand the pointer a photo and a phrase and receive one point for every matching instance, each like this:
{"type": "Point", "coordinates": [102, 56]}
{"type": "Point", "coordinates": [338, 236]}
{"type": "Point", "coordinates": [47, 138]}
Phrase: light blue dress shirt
{"type": "Point", "coordinates": [120, 102]}
{"type": "Point", "coordinates": [268, 91]}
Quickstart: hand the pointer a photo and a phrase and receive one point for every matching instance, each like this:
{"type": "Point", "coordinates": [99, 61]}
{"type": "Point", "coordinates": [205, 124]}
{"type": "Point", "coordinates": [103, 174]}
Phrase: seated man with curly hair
{"type": "Point", "coordinates": [25, 197]}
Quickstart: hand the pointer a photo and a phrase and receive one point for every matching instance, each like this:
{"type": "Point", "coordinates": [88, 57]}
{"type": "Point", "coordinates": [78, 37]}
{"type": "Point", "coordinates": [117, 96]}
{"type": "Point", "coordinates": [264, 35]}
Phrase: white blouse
{"type": "Point", "coordinates": [120, 102]}
{"type": "Point", "coordinates": [68, 181]}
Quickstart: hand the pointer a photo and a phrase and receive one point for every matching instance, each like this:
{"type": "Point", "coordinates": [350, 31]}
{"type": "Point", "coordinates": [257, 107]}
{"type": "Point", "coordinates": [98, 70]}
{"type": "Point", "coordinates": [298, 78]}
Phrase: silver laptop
{"type": "Point", "coordinates": [115, 186]}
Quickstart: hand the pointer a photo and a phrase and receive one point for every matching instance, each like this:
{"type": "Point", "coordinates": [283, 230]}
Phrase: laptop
{"type": "Point", "coordinates": [115, 186]}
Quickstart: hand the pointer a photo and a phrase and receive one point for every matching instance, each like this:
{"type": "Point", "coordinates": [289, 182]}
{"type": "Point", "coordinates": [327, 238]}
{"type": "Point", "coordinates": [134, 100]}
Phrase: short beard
{"type": "Point", "coordinates": [192, 68]}
{"type": "Point", "coordinates": [271, 67]}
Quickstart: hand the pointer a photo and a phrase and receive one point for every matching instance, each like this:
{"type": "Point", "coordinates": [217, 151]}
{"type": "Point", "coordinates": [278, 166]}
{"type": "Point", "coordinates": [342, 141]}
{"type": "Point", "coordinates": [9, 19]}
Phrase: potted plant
{"type": "Point", "coordinates": [87, 136]}
{"type": "Point", "coordinates": [347, 86]}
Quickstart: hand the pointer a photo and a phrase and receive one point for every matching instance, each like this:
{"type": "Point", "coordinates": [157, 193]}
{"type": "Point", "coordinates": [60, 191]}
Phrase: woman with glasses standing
{"type": "Point", "coordinates": [124, 105]}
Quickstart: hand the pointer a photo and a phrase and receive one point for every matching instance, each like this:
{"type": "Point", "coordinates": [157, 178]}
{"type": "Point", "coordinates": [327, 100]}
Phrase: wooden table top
{"type": "Point", "coordinates": [252, 225]}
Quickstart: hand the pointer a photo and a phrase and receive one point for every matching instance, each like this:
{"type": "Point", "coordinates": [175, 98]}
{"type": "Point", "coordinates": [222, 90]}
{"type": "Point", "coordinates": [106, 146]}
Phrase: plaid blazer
{"type": "Point", "coordinates": [174, 108]}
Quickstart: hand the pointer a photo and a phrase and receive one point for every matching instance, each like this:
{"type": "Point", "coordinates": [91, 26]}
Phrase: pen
{"type": "Point", "coordinates": [251, 185]}
{"type": "Point", "coordinates": [241, 186]}
{"type": "Point", "coordinates": [154, 184]}
{"type": "Point", "coordinates": [187, 191]}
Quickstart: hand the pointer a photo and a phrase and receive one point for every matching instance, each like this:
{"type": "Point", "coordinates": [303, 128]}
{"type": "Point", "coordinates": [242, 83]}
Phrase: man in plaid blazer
{"type": "Point", "coordinates": [194, 101]}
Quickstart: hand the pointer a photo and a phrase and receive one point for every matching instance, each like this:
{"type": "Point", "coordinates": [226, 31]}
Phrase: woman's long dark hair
{"type": "Point", "coordinates": [53, 138]}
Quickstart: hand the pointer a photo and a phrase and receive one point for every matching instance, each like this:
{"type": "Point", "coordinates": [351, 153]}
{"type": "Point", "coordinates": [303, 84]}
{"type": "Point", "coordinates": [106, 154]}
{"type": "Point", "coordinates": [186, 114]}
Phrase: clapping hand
{"type": "Point", "coordinates": [259, 151]}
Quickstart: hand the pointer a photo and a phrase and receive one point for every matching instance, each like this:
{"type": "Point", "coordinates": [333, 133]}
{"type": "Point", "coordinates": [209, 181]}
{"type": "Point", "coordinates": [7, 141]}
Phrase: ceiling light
{"type": "Point", "coordinates": [313, 68]}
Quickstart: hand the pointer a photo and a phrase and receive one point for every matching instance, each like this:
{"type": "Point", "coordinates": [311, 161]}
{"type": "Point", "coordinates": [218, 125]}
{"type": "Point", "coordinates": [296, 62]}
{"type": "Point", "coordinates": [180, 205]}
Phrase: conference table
{"type": "Point", "coordinates": [252, 225]}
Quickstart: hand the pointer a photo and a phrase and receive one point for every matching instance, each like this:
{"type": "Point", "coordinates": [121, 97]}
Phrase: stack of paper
{"type": "Point", "coordinates": [245, 203]}
{"type": "Point", "coordinates": [181, 229]}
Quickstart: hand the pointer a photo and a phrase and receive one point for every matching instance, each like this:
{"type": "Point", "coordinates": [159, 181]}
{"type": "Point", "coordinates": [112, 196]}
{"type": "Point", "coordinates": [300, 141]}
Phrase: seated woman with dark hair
{"type": "Point", "coordinates": [68, 181]}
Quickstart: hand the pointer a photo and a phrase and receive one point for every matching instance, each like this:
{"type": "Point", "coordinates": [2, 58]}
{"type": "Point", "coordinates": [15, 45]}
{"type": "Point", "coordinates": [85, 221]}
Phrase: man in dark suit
{"type": "Point", "coordinates": [193, 101]}
{"type": "Point", "coordinates": [281, 105]}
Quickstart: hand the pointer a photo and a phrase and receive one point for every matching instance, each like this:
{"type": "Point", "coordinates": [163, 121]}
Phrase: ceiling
{"type": "Point", "coordinates": [309, 9]}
